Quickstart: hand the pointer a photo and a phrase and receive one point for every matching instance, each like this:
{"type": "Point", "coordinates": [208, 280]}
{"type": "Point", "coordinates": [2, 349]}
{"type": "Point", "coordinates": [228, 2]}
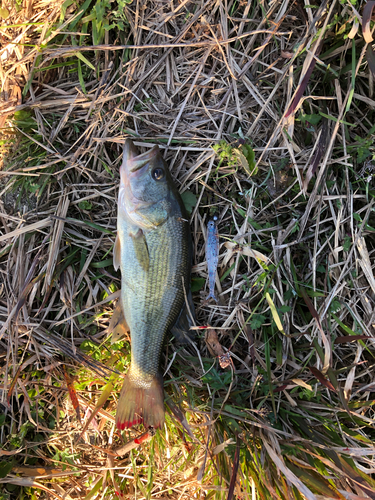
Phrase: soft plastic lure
{"type": "Point", "coordinates": [212, 255]}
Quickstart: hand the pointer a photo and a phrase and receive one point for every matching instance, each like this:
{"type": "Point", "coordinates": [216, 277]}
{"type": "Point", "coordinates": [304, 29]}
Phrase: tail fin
{"type": "Point", "coordinates": [138, 404]}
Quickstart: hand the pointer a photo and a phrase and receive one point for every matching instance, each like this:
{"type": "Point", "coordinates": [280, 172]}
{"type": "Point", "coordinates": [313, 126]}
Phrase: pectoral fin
{"type": "Point", "coordinates": [141, 249]}
{"type": "Point", "coordinates": [118, 325]}
{"type": "Point", "coordinates": [117, 253]}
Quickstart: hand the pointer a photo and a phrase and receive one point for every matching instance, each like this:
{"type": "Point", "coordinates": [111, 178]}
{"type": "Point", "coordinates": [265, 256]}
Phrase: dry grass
{"type": "Point", "coordinates": [296, 288]}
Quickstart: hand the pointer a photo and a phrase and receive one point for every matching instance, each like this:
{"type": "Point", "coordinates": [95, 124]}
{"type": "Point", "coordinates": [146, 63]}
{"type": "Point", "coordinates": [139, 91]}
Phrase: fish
{"type": "Point", "coordinates": [153, 249]}
{"type": "Point", "coordinates": [212, 255]}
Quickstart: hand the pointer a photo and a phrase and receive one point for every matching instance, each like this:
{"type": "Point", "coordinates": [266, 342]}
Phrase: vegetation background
{"type": "Point", "coordinates": [264, 111]}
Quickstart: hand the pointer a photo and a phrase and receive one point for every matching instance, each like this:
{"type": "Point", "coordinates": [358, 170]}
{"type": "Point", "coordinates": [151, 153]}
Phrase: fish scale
{"type": "Point", "coordinates": [150, 295]}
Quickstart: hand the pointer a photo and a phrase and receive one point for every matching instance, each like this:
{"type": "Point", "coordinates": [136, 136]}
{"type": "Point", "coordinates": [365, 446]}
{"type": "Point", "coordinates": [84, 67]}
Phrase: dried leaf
{"type": "Point", "coordinates": [350, 338]}
{"type": "Point", "coordinates": [370, 56]}
{"type": "Point", "coordinates": [302, 87]}
{"type": "Point", "coordinates": [236, 463]}
{"type": "Point", "coordinates": [92, 420]}
{"type": "Point", "coordinates": [302, 383]}
{"type": "Point", "coordinates": [319, 152]}
{"type": "Point", "coordinates": [353, 474]}
{"type": "Point", "coordinates": [366, 18]}
{"type": "Point", "coordinates": [30, 483]}
{"type": "Point", "coordinates": [246, 250]}
{"type": "Point", "coordinates": [249, 333]}
{"type": "Point", "coordinates": [280, 388]}
{"type": "Point", "coordinates": [319, 375]}
{"type": "Point", "coordinates": [212, 343]}
{"type": "Point", "coordinates": [6, 453]}
{"type": "Point", "coordinates": [26, 229]}
{"type": "Point", "coordinates": [354, 30]}
{"type": "Point", "coordinates": [26, 289]}
{"type": "Point", "coordinates": [275, 314]}
{"type": "Point", "coordinates": [318, 484]}
{"type": "Point", "coordinates": [13, 384]}
{"type": "Point", "coordinates": [106, 392]}
{"type": "Point", "coordinates": [37, 471]}
{"type": "Point", "coordinates": [220, 447]}
{"type": "Point", "coordinates": [180, 416]}
{"type": "Point", "coordinates": [280, 465]}
{"type": "Point", "coordinates": [26, 363]}
{"type": "Point", "coordinates": [315, 315]}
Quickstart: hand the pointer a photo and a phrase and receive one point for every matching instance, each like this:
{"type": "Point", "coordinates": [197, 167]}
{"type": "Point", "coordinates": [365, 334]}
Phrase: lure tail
{"type": "Point", "coordinates": [141, 404]}
{"type": "Point", "coordinates": [211, 295]}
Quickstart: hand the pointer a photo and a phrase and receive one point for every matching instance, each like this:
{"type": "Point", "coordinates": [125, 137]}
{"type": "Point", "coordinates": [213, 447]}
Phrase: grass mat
{"type": "Point", "coordinates": [264, 111]}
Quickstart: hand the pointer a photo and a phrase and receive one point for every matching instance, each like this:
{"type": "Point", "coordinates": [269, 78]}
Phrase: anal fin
{"type": "Point", "coordinates": [118, 325]}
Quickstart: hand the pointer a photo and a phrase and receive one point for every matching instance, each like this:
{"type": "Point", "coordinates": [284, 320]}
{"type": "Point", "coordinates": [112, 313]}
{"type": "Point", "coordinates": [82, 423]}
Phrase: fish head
{"type": "Point", "coordinates": [145, 186]}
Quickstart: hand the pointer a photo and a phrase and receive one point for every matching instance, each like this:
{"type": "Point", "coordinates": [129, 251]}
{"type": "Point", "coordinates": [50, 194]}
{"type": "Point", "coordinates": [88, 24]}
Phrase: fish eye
{"type": "Point", "coordinates": [157, 174]}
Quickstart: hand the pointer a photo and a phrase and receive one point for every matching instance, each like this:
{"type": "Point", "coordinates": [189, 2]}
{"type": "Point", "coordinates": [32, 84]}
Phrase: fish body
{"type": "Point", "coordinates": [212, 255]}
{"type": "Point", "coordinates": [153, 250]}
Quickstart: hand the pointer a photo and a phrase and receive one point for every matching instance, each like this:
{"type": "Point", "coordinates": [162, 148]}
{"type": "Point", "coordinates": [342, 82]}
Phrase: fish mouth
{"type": "Point", "coordinates": [133, 161]}
{"type": "Point", "coordinates": [132, 168]}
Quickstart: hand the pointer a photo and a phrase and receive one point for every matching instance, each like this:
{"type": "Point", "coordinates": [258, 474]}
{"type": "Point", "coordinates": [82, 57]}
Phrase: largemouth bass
{"type": "Point", "coordinates": [153, 250]}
